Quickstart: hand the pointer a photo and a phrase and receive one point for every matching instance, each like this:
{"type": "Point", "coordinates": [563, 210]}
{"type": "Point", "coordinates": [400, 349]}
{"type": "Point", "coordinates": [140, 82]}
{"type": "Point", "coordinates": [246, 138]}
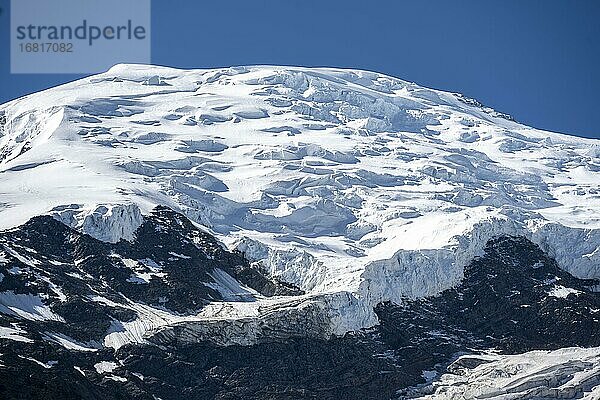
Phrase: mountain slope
{"type": "Point", "coordinates": [84, 328]}
{"type": "Point", "coordinates": [149, 209]}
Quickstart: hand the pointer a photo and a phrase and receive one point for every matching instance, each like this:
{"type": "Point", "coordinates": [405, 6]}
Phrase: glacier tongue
{"type": "Point", "coordinates": [354, 186]}
{"type": "Point", "coordinates": [564, 373]}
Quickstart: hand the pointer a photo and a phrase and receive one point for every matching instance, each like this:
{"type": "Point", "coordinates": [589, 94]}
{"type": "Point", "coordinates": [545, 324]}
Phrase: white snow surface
{"type": "Point", "coordinates": [105, 367]}
{"type": "Point", "coordinates": [562, 292]}
{"type": "Point", "coordinates": [70, 343]}
{"type": "Point", "coordinates": [26, 306]}
{"type": "Point", "coordinates": [14, 333]}
{"type": "Point", "coordinates": [561, 374]}
{"type": "Point", "coordinates": [356, 186]}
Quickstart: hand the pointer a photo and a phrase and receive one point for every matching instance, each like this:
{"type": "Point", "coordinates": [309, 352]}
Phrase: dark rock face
{"type": "Point", "coordinates": [505, 301]}
{"type": "Point", "coordinates": [173, 257]}
{"type": "Point", "coordinates": [514, 298]}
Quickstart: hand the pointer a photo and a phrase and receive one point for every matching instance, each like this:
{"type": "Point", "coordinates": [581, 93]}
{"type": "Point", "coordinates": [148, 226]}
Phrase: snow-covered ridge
{"type": "Point", "coordinates": [334, 180]}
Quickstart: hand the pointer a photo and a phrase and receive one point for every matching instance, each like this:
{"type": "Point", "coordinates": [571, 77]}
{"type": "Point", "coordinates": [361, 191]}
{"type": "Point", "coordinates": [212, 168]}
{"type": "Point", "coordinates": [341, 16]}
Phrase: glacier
{"type": "Point", "coordinates": [356, 187]}
{"type": "Point", "coordinates": [566, 373]}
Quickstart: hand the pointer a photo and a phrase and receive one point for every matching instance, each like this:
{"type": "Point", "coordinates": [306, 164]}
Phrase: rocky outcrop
{"type": "Point", "coordinates": [172, 314]}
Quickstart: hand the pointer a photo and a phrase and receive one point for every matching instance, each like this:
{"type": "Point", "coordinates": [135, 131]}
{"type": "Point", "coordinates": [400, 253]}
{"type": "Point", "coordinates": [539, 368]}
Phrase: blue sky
{"type": "Point", "coordinates": [537, 60]}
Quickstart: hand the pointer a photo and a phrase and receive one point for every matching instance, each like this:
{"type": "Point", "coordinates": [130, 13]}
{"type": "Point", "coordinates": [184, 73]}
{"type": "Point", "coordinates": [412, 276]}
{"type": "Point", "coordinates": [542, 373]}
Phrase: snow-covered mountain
{"type": "Point", "coordinates": [335, 195]}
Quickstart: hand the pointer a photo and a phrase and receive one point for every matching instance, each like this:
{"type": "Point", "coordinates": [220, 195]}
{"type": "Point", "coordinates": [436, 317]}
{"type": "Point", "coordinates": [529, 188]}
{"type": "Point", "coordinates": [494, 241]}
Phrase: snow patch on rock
{"type": "Point", "coordinates": [26, 306]}
{"type": "Point", "coordinates": [14, 333]}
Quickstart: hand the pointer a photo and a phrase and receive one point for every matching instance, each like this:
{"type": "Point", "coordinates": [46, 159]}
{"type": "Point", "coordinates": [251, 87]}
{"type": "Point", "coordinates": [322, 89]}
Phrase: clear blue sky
{"type": "Point", "coordinates": [538, 60]}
